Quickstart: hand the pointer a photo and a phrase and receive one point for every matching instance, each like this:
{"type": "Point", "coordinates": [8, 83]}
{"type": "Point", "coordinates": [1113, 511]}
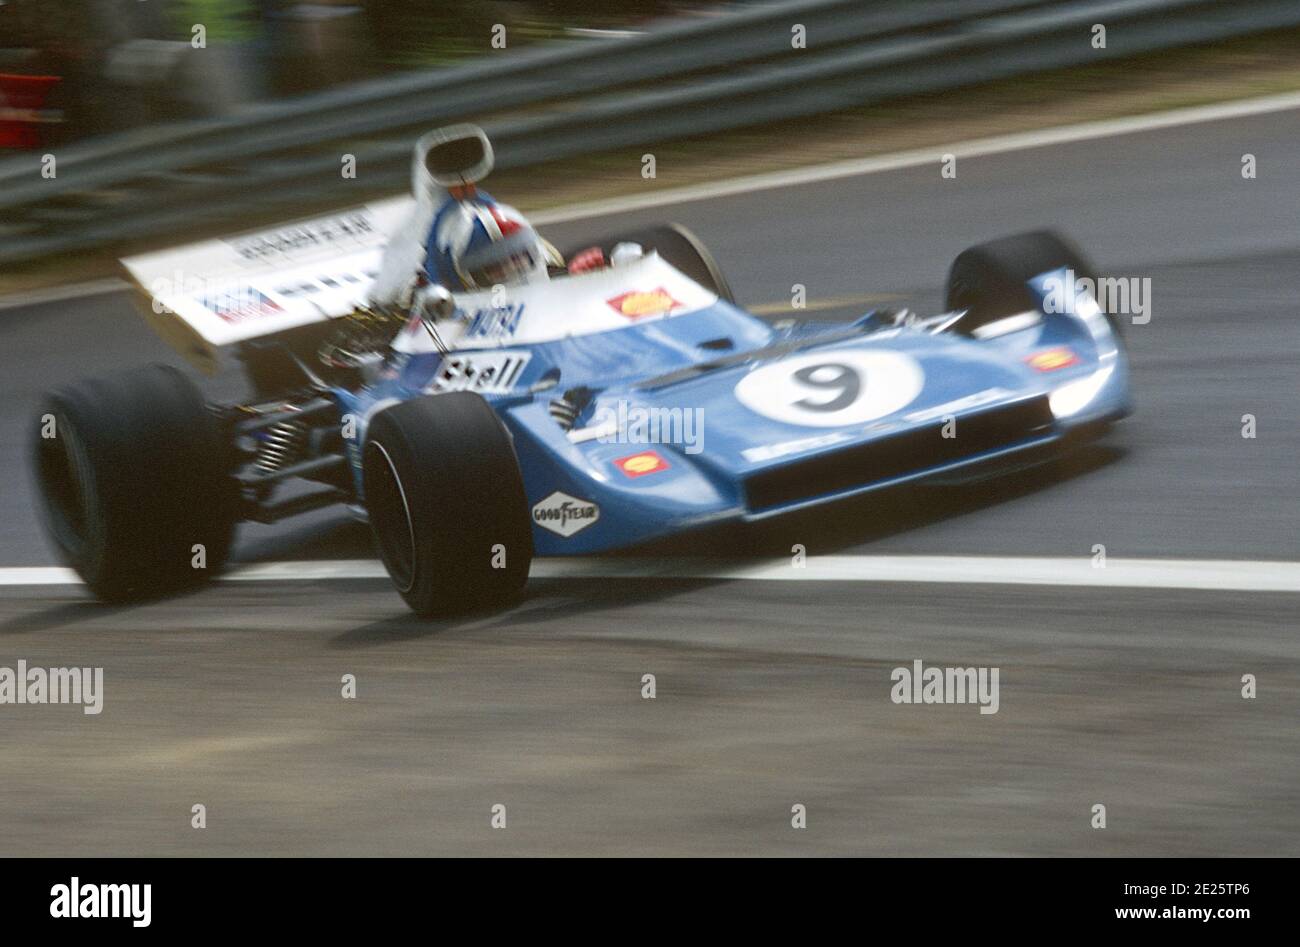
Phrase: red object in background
{"type": "Point", "coordinates": [21, 109]}
{"type": "Point", "coordinates": [584, 261]}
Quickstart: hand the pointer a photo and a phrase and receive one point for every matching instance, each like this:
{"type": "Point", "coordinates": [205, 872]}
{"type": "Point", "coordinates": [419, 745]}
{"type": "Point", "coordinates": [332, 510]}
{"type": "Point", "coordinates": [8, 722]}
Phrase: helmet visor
{"type": "Point", "coordinates": [518, 267]}
{"type": "Point", "coordinates": [518, 258]}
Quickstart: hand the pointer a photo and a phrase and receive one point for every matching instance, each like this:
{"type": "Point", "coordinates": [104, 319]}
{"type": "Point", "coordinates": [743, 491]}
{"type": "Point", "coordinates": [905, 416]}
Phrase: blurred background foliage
{"type": "Point", "coordinates": [123, 63]}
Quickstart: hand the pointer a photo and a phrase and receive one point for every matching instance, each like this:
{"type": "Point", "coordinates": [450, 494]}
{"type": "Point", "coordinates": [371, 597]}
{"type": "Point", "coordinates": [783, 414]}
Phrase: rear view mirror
{"type": "Point", "coordinates": [457, 155]}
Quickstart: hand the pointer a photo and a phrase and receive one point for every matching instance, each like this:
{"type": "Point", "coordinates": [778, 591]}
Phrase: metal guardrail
{"type": "Point", "coordinates": [558, 101]}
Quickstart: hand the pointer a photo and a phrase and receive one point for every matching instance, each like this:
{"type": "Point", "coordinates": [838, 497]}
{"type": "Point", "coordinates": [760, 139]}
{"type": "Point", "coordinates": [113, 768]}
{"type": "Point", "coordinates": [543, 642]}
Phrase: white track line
{"type": "Point", "coordinates": [58, 294]}
{"type": "Point", "coordinates": [974, 148]}
{"type": "Point", "coordinates": [1211, 574]}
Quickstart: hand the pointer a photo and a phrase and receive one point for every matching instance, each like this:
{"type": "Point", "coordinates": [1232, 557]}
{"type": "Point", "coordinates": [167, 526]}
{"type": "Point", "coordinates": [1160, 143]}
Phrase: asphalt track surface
{"type": "Point", "coordinates": [769, 694]}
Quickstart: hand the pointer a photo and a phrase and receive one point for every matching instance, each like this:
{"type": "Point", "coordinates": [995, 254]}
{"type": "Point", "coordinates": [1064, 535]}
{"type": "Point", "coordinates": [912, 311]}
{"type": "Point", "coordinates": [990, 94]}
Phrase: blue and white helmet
{"type": "Point", "coordinates": [476, 243]}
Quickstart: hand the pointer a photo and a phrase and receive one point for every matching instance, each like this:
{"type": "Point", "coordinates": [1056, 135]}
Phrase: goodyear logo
{"type": "Point", "coordinates": [565, 515]}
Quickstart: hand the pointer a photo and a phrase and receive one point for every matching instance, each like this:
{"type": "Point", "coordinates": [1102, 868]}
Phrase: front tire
{"type": "Point", "coordinates": [989, 280]}
{"type": "Point", "coordinates": [133, 473]}
{"type": "Point", "coordinates": [447, 505]}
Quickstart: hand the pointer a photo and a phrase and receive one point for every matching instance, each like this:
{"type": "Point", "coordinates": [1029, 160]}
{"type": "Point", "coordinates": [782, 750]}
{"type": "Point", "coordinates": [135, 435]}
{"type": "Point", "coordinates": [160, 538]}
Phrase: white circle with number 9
{"type": "Point", "coordinates": [833, 388]}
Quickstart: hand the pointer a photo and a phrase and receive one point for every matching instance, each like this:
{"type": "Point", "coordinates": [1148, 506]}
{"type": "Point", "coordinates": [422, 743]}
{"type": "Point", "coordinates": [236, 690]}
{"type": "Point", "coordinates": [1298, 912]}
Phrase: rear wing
{"type": "Point", "coordinates": [205, 297]}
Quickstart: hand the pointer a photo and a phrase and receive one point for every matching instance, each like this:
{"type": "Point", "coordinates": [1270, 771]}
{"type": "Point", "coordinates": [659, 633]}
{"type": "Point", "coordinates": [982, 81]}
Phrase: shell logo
{"type": "Point", "coordinates": [638, 304]}
{"type": "Point", "coordinates": [638, 465]}
{"type": "Point", "coordinates": [1052, 359]}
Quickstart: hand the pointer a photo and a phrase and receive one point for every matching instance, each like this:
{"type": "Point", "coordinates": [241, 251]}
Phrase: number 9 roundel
{"type": "Point", "coordinates": [832, 388]}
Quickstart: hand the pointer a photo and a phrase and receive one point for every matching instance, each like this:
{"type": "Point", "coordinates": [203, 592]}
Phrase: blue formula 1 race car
{"type": "Point", "coordinates": [585, 413]}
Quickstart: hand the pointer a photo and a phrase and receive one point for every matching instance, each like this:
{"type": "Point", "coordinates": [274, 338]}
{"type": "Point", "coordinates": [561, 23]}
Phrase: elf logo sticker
{"type": "Point", "coordinates": [564, 515]}
{"type": "Point", "coordinates": [638, 465]}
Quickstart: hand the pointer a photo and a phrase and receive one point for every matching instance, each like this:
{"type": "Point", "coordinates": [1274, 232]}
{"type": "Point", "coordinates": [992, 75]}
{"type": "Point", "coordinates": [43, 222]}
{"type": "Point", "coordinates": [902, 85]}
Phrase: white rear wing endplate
{"type": "Point", "coordinates": [207, 296]}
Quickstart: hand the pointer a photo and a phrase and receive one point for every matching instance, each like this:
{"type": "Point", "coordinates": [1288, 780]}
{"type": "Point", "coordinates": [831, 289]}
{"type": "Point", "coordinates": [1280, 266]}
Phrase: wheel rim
{"type": "Point", "coordinates": [390, 515]}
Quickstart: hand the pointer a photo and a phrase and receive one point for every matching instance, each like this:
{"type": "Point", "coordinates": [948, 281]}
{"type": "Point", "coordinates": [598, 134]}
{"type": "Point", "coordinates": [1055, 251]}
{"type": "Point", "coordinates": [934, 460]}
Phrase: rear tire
{"type": "Point", "coordinates": [677, 245]}
{"type": "Point", "coordinates": [989, 279]}
{"type": "Point", "coordinates": [447, 504]}
{"type": "Point", "coordinates": [135, 475]}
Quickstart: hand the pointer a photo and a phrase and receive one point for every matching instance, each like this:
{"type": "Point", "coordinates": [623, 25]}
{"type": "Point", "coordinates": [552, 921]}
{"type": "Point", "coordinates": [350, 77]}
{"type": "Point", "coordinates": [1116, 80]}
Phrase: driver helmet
{"type": "Point", "coordinates": [498, 247]}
